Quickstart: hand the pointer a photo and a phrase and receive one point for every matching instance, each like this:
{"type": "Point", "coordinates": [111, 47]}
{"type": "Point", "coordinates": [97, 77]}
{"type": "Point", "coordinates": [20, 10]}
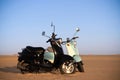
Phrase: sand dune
{"type": "Point", "coordinates": [96, 68]}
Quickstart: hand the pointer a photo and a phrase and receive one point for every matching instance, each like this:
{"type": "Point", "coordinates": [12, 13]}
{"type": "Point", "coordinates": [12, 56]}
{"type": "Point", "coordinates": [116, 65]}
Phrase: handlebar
{"type": "Point", "coordinates": [70, 40]}
{"type": "Point", "coordinates": [51, 39]}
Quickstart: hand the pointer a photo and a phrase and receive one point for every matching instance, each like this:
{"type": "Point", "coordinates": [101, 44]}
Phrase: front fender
{"type": "Point", "coordinates": [65, 58]}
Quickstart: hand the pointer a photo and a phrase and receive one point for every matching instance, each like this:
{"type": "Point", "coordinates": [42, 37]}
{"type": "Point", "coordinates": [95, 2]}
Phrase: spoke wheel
{"type": "Point", "coordinates": [67, 67]}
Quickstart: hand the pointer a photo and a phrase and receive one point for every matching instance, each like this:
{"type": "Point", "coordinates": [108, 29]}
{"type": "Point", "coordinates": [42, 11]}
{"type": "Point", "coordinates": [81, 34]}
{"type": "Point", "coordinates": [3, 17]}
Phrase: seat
{"type": "Point", "coordinates": [35, 49]}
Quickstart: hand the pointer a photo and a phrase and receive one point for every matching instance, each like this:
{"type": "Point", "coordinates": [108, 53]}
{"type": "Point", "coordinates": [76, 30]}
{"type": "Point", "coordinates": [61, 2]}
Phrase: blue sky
{"type": "Point", "coordinates": [22, 22]}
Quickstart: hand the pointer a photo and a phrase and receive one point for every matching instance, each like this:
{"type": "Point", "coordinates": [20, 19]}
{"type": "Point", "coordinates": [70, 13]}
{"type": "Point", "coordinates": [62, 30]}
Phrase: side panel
{"type": "Point", "coordinates": [49, 56]}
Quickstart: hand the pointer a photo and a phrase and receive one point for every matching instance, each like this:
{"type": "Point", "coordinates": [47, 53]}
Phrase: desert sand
{"type": "Point", "coordinates": [96, 68]}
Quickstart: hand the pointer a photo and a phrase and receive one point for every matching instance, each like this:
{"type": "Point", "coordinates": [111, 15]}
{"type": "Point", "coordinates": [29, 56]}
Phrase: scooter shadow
{"type": "Point", "coordinates": [14, 69]}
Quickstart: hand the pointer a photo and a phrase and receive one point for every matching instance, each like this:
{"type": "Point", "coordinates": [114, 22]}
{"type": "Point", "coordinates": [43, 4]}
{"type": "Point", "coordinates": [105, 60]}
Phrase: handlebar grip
{"type": "Point", "coordinates": [75, 37]}
{"type": "Point", "coordinates": [48, 41]}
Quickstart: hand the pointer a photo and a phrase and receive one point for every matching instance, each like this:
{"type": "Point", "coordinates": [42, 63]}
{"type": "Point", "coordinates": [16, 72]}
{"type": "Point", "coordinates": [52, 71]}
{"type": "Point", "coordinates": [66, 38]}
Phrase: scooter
{"type": "Point", "coordinates": [35, 59]}
{"type": "Point", "coordinates": [72, 50]}
{"type": "Point", "coordinates": [57, 58]}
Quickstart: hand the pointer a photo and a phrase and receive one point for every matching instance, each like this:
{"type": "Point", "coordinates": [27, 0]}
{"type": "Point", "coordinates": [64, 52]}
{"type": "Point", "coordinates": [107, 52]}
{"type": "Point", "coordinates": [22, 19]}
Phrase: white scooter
{"type": "Point", "coordinates": [72, 50]}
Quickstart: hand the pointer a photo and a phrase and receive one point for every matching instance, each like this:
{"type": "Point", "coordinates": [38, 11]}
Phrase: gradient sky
{"type": "Point", "coordinates": [22, 22]}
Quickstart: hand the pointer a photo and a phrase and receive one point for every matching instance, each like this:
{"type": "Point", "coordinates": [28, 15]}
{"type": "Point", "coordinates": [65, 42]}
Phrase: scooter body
{"type": "Point", "coordinates": [49, 56]}
{"type": "Point", "coordinates": [73, 50]}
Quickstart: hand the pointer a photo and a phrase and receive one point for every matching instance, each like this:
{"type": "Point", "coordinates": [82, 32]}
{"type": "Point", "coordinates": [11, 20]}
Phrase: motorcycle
{"type": "Point", "coordinates": [35, 59]}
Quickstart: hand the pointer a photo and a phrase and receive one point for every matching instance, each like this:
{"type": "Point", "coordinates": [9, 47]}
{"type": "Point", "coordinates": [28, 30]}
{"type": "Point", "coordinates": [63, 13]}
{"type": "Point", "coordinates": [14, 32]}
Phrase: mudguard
{"type": "Point", "coordinates": [64, 58]}
{"type": "Point", "coordinates": [67, 57]}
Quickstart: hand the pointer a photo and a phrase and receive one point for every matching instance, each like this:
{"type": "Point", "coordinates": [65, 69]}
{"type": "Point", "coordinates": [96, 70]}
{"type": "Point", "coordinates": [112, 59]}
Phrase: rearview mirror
{"type": "Point", "coordinates": [43, 33]}
{"type": "Point", "coordinates": [77, 29]}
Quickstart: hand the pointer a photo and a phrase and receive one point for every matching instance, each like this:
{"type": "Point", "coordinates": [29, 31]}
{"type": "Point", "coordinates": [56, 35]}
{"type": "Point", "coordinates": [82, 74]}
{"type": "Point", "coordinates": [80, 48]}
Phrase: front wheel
{"type": "Point", "coordinates": [80, 67]}
{"type": "Point", "coordinates": [67, 67]}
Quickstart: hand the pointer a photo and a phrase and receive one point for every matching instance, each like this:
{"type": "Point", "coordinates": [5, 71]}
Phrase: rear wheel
{"type": "Point", "coordinates": [67, 67]}
{"type": "Point", "coordinates": [80, 67]}
{"type": "Point", "coordinates": [23, 67]}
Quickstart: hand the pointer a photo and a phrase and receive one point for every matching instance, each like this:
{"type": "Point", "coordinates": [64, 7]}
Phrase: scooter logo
{"type": "Point", "coordinates": [68, 45]}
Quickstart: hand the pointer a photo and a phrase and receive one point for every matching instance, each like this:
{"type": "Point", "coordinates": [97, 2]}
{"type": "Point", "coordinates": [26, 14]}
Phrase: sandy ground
{"type": "Point", "coordinates": [96, 68]}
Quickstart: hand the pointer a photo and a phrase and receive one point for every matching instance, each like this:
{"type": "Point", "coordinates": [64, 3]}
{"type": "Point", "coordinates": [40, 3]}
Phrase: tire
{"type": "Point", "coordinates": [67, 67]}
{"type": "Point", "coordinates": [80, 67]}
{"type": "Point", "coordinates": [23, 67]}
